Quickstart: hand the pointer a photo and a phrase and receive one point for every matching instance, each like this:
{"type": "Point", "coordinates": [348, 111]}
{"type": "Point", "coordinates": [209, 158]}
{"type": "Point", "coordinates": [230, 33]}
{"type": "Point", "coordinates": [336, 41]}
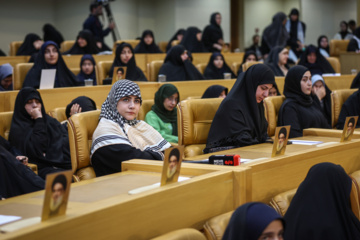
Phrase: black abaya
{"type": "Point", "coordinates": [27, 47]}
{"type": "Point", "coordinates": [212, 34]}
{"type": "Point", "coordinates": [212, 72]}
{"type": "Point", "coordinates": [190, 41]}
{"type": "Point", "coordinates": [320, 66]}
{"type": "Point", "coordinates": [351, 107]}
{"type": "Point", "coordinates": [90, 48]}
{"type": "Point", "coordinates": [142, 47]}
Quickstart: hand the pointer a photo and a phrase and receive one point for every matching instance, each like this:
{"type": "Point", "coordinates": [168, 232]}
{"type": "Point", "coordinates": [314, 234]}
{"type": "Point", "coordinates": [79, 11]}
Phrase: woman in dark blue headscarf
{"type": "Point", "coordinates": [87, 69]}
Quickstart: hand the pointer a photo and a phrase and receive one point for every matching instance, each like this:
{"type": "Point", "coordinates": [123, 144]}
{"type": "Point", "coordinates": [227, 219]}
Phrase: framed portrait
{"type": "Point", "coordinates": [57, 189]}
{"type": "Point", "coordinates": [280, 141]}
{"type": "Point", "coordinates": [172, 164]}
{"type": "Point", "coordinates": [118, 74]}
{"type": "Point", "coordinates": [349, 127]}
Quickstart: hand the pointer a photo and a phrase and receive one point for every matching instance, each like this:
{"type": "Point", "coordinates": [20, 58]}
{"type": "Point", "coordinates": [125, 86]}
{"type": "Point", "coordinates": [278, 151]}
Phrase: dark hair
{"type": "Point", "coordinates": [282, 131]}
{"type": "Point", "coordinates": [120, 69]}
{"type": "Point", "coordinates": [352, 23]}
{"type": "Point", "coordinates": [94, 4]}
{"type": "Point", "coordinates": [175, 152]}
{"type": "Point", "coordinates": [343, 22]}
{"type": "Point", "coordinates": [351, 120]}
{"type": "Point", "coordinates": [60, 179]}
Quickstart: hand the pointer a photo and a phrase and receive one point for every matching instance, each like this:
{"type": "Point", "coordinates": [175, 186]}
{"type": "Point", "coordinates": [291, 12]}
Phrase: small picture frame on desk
{"type": "Point", "coordinates": [172, 164]}
{"type": "Point", "coordinates": [280, 141]}
{"type": "Point", "coordinates": [349, 127]}
{"type": "Point", "coordinates": [57, 189]}
{"type": "Point", "coordinates": [119, 74]}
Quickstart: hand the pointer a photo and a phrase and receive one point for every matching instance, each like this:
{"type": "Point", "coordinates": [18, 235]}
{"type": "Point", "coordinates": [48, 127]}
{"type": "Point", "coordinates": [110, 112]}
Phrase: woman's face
{"type": "Point", "coordinates": [324, 42]}
{"type": "Point", "coordinates": [305, 83]}
{"type": "Point", "coordinates": [250, 58]}
{"type": "Point", "coordinates": [343, 27]}
{"type": "Point", "coordinates": [31, 104]}
{"type": "Point", "coordinates": [126, 55]}
{"type": "Point", "coordinates": [87, 67]}
{"type": "Point", "coordinates": [129, 107]}
{"type": "Point", "coordinates": [272, 92]}
{"type": "Point", "coordinates": [283, 56]}
{"type": "Point", "coordinates": [170, 102]}
{"type": "Point", "coordinates": [222, 94]}
{"type": "Point", "coordinates": [179, 37]}
{"type": "Point", "coordinates": [218, 19]}
{"type": "Point", "coordinates": [311, 58]}
{"type": "Point", "coordinates": [317, 85]}
{"type": "Point", "coordinates": [273, 231]}
{"type": "Point", "coordinates": [198, 36]}
{"type": "Point", "coordinates": [262, 92]}
{"type": "Point", "coordinates": [148, 39]}
{"type": "Point", "coordinates": [184, 56]}
{"type": "Point", "coordinates": [218, 62]}
{"type": "Point", "coordinates": [51, 55]}
{"type": "Point", "coordinates": [37, 44]}
{"type": "Point", "coordinates": [82, 42]}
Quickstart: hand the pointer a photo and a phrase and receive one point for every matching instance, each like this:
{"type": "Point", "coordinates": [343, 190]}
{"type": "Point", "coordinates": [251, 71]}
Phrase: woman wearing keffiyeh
{"type": "Point", "coordinates": [119, 136]}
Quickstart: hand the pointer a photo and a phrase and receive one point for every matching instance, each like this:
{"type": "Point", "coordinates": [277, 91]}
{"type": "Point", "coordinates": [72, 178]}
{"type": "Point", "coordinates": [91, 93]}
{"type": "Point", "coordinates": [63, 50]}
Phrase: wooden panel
{"type": "Point", "coordinates": [348, 61]}
{"type": "Point", "coordinates": [13, 60]}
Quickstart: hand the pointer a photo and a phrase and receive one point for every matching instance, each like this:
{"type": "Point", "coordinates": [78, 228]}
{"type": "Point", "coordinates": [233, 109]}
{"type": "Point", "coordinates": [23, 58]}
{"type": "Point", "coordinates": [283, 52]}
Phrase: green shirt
{"type": "Point", "coordinates": [165, 129]}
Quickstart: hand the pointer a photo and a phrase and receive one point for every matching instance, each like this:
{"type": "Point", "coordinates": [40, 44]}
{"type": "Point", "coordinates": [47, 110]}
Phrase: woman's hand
{"type": "Point", "coordinates": [24, 160]}
{"type": "Point", "coordinates": [75, 108]}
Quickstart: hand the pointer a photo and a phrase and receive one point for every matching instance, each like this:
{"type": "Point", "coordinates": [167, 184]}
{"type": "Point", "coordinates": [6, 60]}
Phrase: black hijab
{"type": "Point", "coordinates": [51, 34]}
{"type": "Point", "coordinates": [166, 116]}
{"type": "Point", "coordinates": [214, 91]}
{"type": "Point", "coordinates": [175, 69]}
{"type": "Point", "coordinates": [212, 33]}
{"type": "Point", "coordinates": [273, 61]}
{"type": "Point", "coordinates": [27, 47]}
{"type": "Point", "coordinates": [191, 43]}
{"type": "Point", "coordinates": [321, 207]}
{"type": "Point", "coordinates": [327, 49]}
{"type": "Point", "coordinates": [90, 48]}
{"type": "Point", "coordinates": [246, 55]}
{"type": "Point", "coordinates": [351, 107]}
{"type": "Point", "coordinates": [354, 43]}
{"type": "Point", "coordinates": [142, 47]}
{"type": "Point", "coordinates": [356, 82]}
{"type": "Point", "coordinates": [64, 77]}
{"type": "Point", "coordinates": [240, 120]}
{"type": "Point", "coordinates": [133, 72]}
{"type": "Point", "coordinates": [57, 151]}
{"type": "Point", "coordinates": [320, 66]}
{"type": "Point", "coordinates": [181, 31]}
{"type": "Point", "coordinates": [344, 33]}
{"type": "Point", "coordinates": [249, 221]}
{"type": "Point", "coordinates": [86, 104]}
{"type": "Point", "coordinates": [275, 34]}
{"type": "Point", "coordinates": [212, 72]}
{"type": "Point", "coordinates": [82, 76]}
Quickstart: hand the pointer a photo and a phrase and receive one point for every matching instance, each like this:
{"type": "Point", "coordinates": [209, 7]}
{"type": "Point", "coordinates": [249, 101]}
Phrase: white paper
{"type": "Point", "coordinates": [47, 79]}
{"type": "Point", "coordinates": [20, 224]}
{"type": "Point", "coordinates": [6, 219]}
{"type": "Point", "coordinates": [305, 142]}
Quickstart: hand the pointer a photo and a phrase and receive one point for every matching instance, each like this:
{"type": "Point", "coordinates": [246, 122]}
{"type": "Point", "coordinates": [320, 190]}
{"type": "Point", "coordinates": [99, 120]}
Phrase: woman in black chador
{"type": "Point", "coordinates": [147, 43]}
{"type": "Point", "coordinates": [213, 34]}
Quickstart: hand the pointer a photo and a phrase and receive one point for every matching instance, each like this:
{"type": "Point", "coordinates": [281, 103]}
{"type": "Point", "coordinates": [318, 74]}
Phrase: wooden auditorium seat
{"type": "Point", "coordinates": [194, 118]}
{"type": "Point", "coordinates": [246, 65]}
{"type": "Point", "coordinates": [5, 124]}
{"type": "Point", "coordinates": [81, 128]}
{"type": "Point", "coordinates": [14, 47]}
{"type": "Point", "coordinates": [215, 227]}
{"type": "Point", "coordinates": [272, 106]}
{"type": "Point", "coordinates": [153, 69]}
{"type": "Point", "coordinates": [201, 67]}
{"type": "Point", "coordinates": [103, 68]}
{"type": "Point", "coordinates": [200, 58]}
{"type": "Point", "coordinates": [58, 113]}
{"type": "Point", "coordinates": [338, 46]}
{"type": "Point", "coordinates": [230, 58]}
{"type": "Point", "coordinates": [20, 72]}
{"type": "Point", "coordinates": [145, 108]}
{"type": "Point", "coordinates": [132, 42]}
{"type": "Point", "coordinates": [182, 234]}
{"type": "Point", "coordinates": [235, 67]}
{"type": "Point", "coordinates": [335, 63]}
{"type": "Point", "coordinates": [13, 60]}
{"type": "Point", "coordinates": [338, 97]}
{"type": "Point", "coordinates": [66, 45]}
{"type": "Point", "coordinates": [281, 202]}
{"type": "Point", "coordinates": [163, 45]}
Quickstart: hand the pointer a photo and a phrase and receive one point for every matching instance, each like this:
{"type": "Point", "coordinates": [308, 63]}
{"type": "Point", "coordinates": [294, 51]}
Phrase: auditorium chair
{"type": "Point", "coordinates": [201, 67]}
{"type": "Point", "coordinates": [153, 69]}
{"type": "Point", "coordinates": [163, 45]}
{"type": "Point", "coordinates": [235, 67]}
{"type": "Point", "coordinates": [272, 106]}
{"type": "Point", "coordinates": [215, 227]}
{"type": "Point", "coordinates": [338, 46]}
{"type": "Point", "coordinates": [20, 72]}
{"type": "Point", "coordinates": [14, 47]}
{"type": "Point", "coordinates": [281, 202]}
{"type": "Point", "coordinates": [355, 176]}
{"type": "Point", "coordinates": [175, 42]}
{"type": "Point", "coordinates": [194, 118]}
{"type": "Point", "coordinates": [182, 234]}
{"type": "Point", "coordinates": [246, 65]}
{"type": "Point", "coordinates": [66, 45]}
{"type": "Point", "coordinates": [5, 124]}
{"type": "Point", "coordinates": [338, 97]}
{"type": "Point", "coordinates": [335, 63]}
{"type": "Point", "coordinates": [145, 108]}
{"type": "Point", "coordinates": [132, 42]}
{"type": "Point", "coordinates": [103, 68]}
{"type": "Point", "coordinates": [81, 128]}
{"type": "Point", "coordinates": [58, 114]}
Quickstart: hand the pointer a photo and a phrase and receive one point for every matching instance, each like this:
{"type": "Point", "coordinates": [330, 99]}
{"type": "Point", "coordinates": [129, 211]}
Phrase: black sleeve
{"type": "Point", "coordinates": [38, 140]}
{"type": "Point", "coordinates": [290, 117]}
{"type": "Point", "coordinates": [5, 144]}
{"type": "Point", "coordinates": [353, 46]}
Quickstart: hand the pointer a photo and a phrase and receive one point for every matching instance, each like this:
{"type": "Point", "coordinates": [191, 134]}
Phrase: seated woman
{"type": "Point", "coordinates": [163, 114]}
{"type": "Point", "coordinates": [80, 104]}
{"type": "Point", "coordinates": [321, 95]}
{"type": "Point", "coordinates": [323, 46]}
{"type": "Point", "coordinates": [217, 67]}
{"type": "Point", "coordinates": [178, 67]}
{"type": "Point", "coordinates": [315, 62]}
{"type": "Point", "coordinates": [299, 110]}
{"type": "Point", "coordinates": [254, 221]}
{"type": "Point", "coordinates": [192, 40]}
{"type": "Point", "coordinates": [321, 207]}
{"type": "Point", "coordinates": [119, 136]}
{"type": "Point", "coordinates": [6, 77]}
{"type": "Point", "coordinates": [215, 91]}
{"type": "Point", "coordinates": [87, 70]}
{"type": "Point", "coordinates": [274, 91]}
{"type": "Point", "coordinates": [37, 135]}
{"type": "Point", "coordinates": [147, 43]}
{"type": "Point", "coordinates": [356, 82]}
{"type": "Point", "coordinates": [30, 46]}
{"type": "Point", "coordinates": [354, 44]}
{"type": "Point", "coordinates": [350, 107]}
{"type": "Point", "coordinates": [344, 33]}
{"type": "Point", "coordinates": [49, 58]}
{"type": "Point", "coordinates": [277, 61]}
{"type": "Point", "coordinates": [240, 119]}
{"type": "Point", "coordinates": [177, 36]}
{"type": "Point", "coordinates": [124, 56]}
{"type": "Point", "coordinates": [85, 44]}
{"type": "Point", "coordinates": [249, 56]}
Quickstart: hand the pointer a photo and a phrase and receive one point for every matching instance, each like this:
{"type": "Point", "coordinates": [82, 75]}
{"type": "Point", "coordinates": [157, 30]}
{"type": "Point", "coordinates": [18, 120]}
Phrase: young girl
{"type": "Point", "coordinates": [87, 66]}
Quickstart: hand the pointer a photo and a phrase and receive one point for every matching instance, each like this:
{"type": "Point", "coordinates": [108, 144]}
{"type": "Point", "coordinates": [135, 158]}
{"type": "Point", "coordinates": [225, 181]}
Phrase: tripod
{"type": "Point", "coordinates": [114, 32]}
